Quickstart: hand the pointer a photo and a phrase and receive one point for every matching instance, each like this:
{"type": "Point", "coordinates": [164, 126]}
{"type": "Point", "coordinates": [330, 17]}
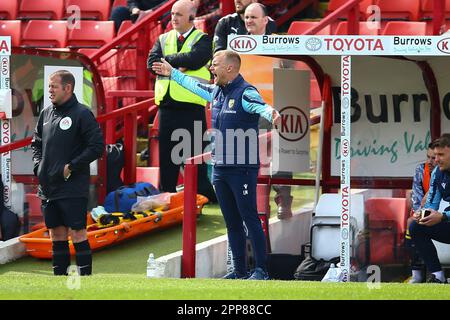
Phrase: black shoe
{"type": "Point", "coordinates": [144, 155]}
{"type": "Point", "coordinates": [432, 279]}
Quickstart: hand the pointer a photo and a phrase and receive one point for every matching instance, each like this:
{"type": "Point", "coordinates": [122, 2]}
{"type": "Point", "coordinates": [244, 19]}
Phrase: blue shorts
{"type": "Point", "coordinates": [69, 212]}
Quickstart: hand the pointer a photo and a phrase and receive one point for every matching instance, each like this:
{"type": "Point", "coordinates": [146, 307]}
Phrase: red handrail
{"type": "Point", "coordinates": [129, 113]}
{"type": "Point", "coordinates": [351, 8]}
{"type": "Point", "coordinates": [133, 30]}
{"type": "Point", "coordinates": [128, 109]}
{"type": "Point", "coordinates": [15, 145]}
{"type": "Point", "coordinates": [130, 125]}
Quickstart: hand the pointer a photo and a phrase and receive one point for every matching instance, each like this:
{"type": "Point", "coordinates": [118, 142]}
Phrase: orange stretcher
{"type": "Point", "coordinates": [39, 245]}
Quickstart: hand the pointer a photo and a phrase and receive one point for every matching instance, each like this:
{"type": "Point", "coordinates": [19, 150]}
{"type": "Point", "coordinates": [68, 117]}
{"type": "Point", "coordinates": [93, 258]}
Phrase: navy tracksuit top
{"type": "Point", "coordinates": [242, 136]}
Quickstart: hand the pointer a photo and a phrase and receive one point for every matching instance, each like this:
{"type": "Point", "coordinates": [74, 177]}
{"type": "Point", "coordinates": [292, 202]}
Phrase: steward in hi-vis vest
{"type": "Point", "coordinates": [168, 43]}
{"type": "Point", "coordinates": [181, 112]}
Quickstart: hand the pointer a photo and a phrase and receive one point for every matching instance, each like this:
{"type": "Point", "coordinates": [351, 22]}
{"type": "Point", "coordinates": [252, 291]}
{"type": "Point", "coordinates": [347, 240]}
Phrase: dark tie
{"type": "Point", "coordinates": [181, 38]}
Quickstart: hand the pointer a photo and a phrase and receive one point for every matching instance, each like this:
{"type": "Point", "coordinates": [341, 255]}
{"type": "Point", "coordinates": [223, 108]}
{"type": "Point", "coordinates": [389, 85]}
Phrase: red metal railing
{"type": "Point", "coordinates": [127, 53]}
{"type": "Point", "coordinates": [129, 114]}
{"type": "Point", "coordinates": [351, 8]}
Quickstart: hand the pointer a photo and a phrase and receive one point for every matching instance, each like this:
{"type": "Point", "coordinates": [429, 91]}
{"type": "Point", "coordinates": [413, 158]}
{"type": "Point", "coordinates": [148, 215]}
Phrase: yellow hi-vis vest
{"type": "Point", "coordinates": [178, 93]}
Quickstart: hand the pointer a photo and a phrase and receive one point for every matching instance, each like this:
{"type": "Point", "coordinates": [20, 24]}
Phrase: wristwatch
{"type": "Point", "coordinates": [444, 217]}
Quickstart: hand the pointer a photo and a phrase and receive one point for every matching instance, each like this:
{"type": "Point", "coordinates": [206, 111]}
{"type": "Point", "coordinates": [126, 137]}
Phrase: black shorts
{"type": "Point", "coordinates": [69, 212]}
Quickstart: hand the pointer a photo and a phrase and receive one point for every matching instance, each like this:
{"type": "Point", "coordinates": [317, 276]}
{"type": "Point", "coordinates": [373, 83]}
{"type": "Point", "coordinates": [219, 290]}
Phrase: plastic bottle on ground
{"type": "Point", "coordinates": [151, 266]}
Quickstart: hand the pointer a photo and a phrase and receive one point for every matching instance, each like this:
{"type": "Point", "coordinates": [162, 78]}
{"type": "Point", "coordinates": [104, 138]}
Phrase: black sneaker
{"type": "Point", "coordinates": [432, 279]}
{"type": "Point", "coordinates": [235, 275]}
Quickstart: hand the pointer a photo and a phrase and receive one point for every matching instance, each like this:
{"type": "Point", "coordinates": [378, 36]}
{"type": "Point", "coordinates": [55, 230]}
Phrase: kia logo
{"type": "Point", "coordinates": [243, 44]}
{"type": "Point", "coordinates": [444, 46]}
{"type": "Point", "coordinates": [4, 66]}
{"type": "Point", "coordinates": [294, 124]}
{"type": "Point", "coordinates": [345, 146]}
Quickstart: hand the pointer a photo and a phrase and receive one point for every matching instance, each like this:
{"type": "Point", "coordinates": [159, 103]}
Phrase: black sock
{"type": "Point", "coordinates": [61, 257]}
{"type": "Point", "coordinates": [83, 255]}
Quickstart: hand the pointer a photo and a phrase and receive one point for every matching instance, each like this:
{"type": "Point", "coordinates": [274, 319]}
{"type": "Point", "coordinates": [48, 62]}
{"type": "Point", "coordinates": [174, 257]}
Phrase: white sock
{"type": "Point", "coordinates": [440, 275]}
{"type": "Point", "coordinates": [417, 275]}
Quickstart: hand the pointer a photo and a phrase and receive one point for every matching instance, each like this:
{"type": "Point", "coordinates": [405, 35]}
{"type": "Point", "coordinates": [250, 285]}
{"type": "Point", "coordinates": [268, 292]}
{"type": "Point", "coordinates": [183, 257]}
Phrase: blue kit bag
{"type": "Point", "coordinates": [122, 199]}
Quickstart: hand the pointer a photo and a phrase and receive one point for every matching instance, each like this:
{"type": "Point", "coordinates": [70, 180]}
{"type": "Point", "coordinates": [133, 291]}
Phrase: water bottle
{"type": "Point", "coordinates": [151, 265]}
{"type": "Point", "coordinates": [333, 271]}
{"type": "Point", "coordinates": [332, 274]}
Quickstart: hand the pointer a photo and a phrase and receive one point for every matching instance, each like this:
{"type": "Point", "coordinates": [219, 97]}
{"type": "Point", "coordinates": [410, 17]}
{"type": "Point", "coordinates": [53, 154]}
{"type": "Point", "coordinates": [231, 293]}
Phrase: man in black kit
{"type": "Point", "coordinates": [234, 24]}
{"type": "Point", "coordinates": [67, 138]}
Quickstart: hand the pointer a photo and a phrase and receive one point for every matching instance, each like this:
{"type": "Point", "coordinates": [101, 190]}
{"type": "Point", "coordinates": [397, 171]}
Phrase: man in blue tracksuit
{"type": "Point", "coordinates": [436, 225]}
{"type": "Point", "coordinates": [236, 108]}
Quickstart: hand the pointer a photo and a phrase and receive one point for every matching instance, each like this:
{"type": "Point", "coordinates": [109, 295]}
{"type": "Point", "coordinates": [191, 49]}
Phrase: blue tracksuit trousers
{"type": "Point", "coordinates": [236, 193]}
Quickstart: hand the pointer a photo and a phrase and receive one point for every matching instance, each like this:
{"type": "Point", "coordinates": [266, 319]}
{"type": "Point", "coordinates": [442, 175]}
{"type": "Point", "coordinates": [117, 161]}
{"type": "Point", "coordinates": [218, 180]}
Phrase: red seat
{"type": "Point", "coordinates": [91, 34]}
{"type": "Point", "coordinates": [107, 65]}
{"type": "Point", "coordinates": [200, 24]}
{"type": "Point", "coordinates": [364, 28]}
{"type": "Point", "coordinates": [426, 9]}
{"type": "Point", "coordinates": [127, 83]}
{"type": "Point", "coordinates": [399, 9]}
{"type": "Point", "coordinates": [430, 27]}
{"type": "Point", "coordinates": [41, 9]}
{"type": "Point", "coordinates": [387, 225]}
{"type": "Point", "coordinates": [333, 5]}
{"type": "Point", "coordinates": [45, 33]}
{"type": "Point", "coordinates": [405, 28]}
{"type": "Point", "coordinates": [299, 27]}
{"type": "Point", "coordinates": [110, 83]}
{"type": "Point", "coordinates": [92, 9]}
{"type": "Point", "coordinates": [9, 9]}
{"type": "Point", "coordinates": [11, 28]}
{"type": "Point", "coordinates": [119, 3]}
{"type": "Point", "coordinates": [126, 24]}
{"type": "Point", "coordinates": [127, 62]}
